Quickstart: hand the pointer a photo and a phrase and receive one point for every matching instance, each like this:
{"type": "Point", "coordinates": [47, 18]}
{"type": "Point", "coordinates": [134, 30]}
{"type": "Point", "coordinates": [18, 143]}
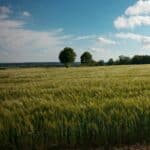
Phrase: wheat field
{"type": "Point", "coordinates": [43, 108]}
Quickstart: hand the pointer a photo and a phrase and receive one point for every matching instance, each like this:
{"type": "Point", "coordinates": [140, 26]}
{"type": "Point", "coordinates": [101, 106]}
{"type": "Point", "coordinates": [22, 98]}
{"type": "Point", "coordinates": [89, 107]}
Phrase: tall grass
{"type": "Point", "coordinates": [76, 107]}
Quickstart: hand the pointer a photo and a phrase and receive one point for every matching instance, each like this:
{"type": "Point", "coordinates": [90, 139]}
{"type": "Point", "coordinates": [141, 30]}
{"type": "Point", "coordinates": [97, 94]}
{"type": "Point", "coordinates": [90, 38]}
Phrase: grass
{"type": "Point", "coordinates": [41, 108]}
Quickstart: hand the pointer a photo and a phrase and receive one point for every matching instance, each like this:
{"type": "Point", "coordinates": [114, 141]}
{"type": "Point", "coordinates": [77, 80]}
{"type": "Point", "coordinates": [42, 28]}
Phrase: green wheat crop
{"type": "Point", "coordinates": [41, 108]}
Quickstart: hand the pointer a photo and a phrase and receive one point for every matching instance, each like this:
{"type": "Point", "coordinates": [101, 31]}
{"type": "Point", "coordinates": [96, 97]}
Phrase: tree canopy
{"type": "Point", "coordinates": [110, 61]}
{"type": "Point", "coordinates": [86, 58]}
{"type": "Point", "coordinates": [67, 56]}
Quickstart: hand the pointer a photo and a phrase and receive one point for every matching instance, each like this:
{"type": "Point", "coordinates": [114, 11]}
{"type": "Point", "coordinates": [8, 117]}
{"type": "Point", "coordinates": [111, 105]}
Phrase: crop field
{"type": "Point", "coordinates": [44, 108]}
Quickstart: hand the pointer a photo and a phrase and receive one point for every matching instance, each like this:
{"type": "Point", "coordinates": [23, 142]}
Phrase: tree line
{"type": "Point", "coordinates": [67, 56]}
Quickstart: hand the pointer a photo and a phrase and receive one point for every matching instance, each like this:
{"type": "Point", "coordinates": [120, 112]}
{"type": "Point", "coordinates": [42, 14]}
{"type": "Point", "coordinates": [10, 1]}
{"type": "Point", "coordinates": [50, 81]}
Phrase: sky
{"type": "Point", "coordinates": [36, 31]}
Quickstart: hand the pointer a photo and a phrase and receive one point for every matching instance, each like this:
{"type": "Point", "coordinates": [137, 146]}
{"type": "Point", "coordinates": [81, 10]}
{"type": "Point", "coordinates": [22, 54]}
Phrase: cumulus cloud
{"type": "Point", "coordinates": [140, 8]}
{"type": "Point", "coordinates": [144, 40]}
{"type": "Point", "coordinates": [26, 14]}
{"type": "Point", "coordinates": [136, 15]}
{"type": "Point", "coordinates": [105, 41]}
{"type": "Point", "coordinates": [131, 22]}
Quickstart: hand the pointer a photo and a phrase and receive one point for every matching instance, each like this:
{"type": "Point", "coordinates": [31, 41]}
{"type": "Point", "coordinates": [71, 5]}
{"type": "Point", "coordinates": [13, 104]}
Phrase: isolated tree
{"type": "Point", "coordinates": [101, 63]}
{"type": "Point", "coordinates": [67, 56]}
{"type": "Point", "coordinates": [110, 61]}
{"type": "Point", "coordinates": [86, 58]}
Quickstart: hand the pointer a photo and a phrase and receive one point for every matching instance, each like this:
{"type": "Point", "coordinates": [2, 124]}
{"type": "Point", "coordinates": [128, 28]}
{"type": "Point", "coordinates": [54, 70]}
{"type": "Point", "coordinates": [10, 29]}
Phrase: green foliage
{"type": "Point", "coordinates": [101, 63]}
{"type": "Point", "coordinates": [86, 58]}
{"type": "Point", "coordinates": [124, 60]}
{"type": "Point", "coordinates": [137, 59]}
{"type": "Point", "coordinates": [44, 108]}
{"type": "Point", "coordinates": [67, 56]}
{"type": "Point", "coordinates": [110, 61]}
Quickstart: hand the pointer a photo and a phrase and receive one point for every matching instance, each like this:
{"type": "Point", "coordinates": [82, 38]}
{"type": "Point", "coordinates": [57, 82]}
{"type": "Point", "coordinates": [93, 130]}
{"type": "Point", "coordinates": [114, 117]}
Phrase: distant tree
{"type": "Point", "coordinates": [93, 63]}
{"type": "Point", "coordinates": [101, 63]}
{"type": "Point", "coordinates": [124, 60]}
{"type": "Point", "coordinates": [141, 59]}
{"type": "Point", "coordinates": [67, 56]}
{"type": "Point", "coordinates": [86, 58]}
{"type": "Point", "coordinates": [110, 61]}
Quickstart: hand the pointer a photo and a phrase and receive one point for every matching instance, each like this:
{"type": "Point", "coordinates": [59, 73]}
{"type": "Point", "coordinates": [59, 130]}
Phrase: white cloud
{"type": "Point", "coordinates": [136, 15]}
{"type": "Point", "coordinates": [144, 40]}
{"type": "Point", "coordinates": [18, 43]}
{"type": "Point", "coordinates": [105, 41]}
{"type": "Point", "coordinates": [140, 8]}
{"type": "Point", "coordinates": [86, 37]}
{"type": "Point", "coordinates": [98, 39]}
{"type": "Point", "coordinates": [103, 48]}
{"type": "Point", "coordinates": [10, 24]}
{"type": "Point", "coordinates": [97, 49]}
{"type": "Point", "coordinates": [26, 14]}
{"type": "Point", "coordinates": [100, 53]}
{"type": "Point", "coordinates": [4, 12]}
{"type": "Point", "coordinates": [131, 22]}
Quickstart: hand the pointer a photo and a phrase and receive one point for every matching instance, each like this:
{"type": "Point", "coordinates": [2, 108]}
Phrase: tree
{"type": "Point", "coordinates": [101, 63]}
{"type": "Point", "coordinates": [67, 56]}
{"type": "Point", "coordinates": [86, 58]}
{"type": "Point", "coordinates": [123, 60]}
{"type": "Point", "coordinates": [141, 59]}
{"type": "Point", "coordinates": [110, 61]}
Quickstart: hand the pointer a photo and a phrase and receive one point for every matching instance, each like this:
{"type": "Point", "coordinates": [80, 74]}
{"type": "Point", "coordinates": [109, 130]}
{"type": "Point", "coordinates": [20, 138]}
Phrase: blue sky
{"type": "Point", "coordinates": [38, 30]}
